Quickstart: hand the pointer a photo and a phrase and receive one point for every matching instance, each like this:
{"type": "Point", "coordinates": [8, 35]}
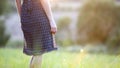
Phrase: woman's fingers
{"type": "Point", "coordinates": [53, 30]}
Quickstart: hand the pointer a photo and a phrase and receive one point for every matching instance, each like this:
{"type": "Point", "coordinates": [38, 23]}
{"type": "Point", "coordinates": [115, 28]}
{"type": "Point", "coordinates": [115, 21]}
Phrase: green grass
{"type": "Point", "coordinates": [14, 58]}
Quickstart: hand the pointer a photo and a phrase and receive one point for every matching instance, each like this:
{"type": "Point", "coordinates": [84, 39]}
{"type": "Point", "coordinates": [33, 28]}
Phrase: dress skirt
{"type": "Point", "coordinates": [36, 28]}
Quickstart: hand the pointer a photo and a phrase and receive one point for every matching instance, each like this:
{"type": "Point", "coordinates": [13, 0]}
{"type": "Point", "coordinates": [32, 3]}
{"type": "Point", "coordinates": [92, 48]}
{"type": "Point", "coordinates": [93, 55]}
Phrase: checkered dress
{"type": "Point", "coordinates": [36, 28]}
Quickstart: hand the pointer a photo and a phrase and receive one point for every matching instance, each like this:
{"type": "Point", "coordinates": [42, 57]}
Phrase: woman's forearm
{"type": "Point", "coordinates": [47, 8]}
{"type": "Point", "coordinates": [18, 5]}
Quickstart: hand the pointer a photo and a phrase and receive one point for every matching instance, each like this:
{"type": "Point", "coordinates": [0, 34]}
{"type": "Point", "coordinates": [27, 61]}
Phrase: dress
{"type": "Point", "coordinates": [36, 28]}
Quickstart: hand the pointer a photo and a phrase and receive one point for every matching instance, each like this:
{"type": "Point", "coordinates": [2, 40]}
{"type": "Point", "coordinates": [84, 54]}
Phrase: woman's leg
{"type": "Point", "coordinates": [36, 62]}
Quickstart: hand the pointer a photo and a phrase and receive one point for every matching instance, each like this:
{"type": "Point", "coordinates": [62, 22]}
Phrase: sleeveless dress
{"type": "Point", "coordinates": [36, 28]}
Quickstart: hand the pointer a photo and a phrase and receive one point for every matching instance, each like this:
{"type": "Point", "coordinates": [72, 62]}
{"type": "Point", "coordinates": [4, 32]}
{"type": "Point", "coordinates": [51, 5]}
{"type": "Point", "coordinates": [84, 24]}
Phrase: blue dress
{"type": "Point", "coordinates": [36, 28]}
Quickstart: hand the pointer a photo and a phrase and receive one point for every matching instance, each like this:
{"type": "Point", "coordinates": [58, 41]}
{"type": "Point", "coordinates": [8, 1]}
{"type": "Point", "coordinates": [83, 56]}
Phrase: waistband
{"type": "Point", "coordinates": [26, 1]}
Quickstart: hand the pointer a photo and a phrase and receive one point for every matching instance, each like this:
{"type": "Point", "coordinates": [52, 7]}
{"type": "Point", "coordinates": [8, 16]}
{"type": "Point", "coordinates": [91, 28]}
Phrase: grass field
{"type": "Point", "coordinates": [14, 58]}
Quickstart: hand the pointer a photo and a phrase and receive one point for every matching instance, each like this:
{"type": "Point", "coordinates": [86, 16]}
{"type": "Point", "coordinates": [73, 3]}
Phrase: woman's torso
{"type": "Point", "coordinates": [32, 10]}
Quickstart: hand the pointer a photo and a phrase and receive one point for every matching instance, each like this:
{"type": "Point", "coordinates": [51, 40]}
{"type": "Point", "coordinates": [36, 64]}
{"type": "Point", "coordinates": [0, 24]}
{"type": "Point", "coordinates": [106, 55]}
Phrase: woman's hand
{"type": "Point", "coordinates": [53, 27]}
{"type": "Point", "coordinates": [47, 8]}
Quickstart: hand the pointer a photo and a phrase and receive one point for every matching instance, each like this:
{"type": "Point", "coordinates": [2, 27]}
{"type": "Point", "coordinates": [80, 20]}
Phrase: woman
{"type": "Point", "coordinates": [38, 27]}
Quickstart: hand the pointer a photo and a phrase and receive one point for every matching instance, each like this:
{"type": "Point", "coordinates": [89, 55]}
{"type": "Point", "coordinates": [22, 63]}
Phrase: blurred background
{"type": "Point", "coordinates": [88, 31]}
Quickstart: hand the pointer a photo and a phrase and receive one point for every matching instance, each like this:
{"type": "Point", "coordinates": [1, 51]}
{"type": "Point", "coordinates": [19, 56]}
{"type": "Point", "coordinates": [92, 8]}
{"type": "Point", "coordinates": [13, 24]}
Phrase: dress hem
{"type": "Point", "coordinates": [34, 53]}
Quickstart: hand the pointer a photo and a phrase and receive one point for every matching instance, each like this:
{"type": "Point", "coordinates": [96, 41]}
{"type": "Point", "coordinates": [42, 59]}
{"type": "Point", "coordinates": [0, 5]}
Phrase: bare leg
{"type": "Point", "coordinates": [36, 62]}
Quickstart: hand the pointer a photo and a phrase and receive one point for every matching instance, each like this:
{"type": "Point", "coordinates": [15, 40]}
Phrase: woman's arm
{"type": "Point", "coordinates": [47, 8]}
{"type": "Point", "coordinates": [18, 5]}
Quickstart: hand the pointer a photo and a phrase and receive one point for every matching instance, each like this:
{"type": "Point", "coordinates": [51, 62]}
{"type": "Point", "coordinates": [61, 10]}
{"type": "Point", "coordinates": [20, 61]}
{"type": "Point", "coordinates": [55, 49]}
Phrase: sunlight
{"type": "Point", "coordinates": [81, 50]}
{"type": "Point", "coordinates": [79, 57]}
